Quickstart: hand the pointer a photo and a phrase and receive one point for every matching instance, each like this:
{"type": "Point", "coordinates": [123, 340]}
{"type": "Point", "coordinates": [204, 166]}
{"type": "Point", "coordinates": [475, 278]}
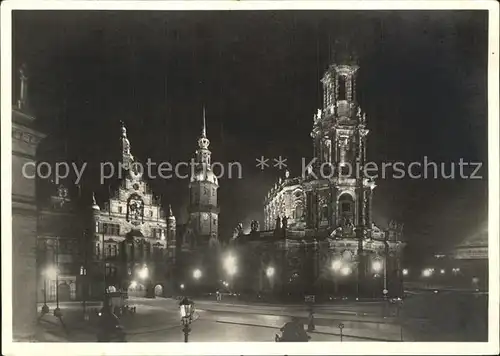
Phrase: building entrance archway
{"type": "Point", "coordinates": [158, 290]}
{"type": "Point", "coordinates": [136, 289]}
{"type": "Point", "coordinates": [64, 292]}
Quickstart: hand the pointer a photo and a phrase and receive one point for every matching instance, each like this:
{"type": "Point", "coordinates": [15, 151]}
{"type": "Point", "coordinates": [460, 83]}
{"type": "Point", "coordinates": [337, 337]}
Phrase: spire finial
{"type": "Point", "coordinates": [203, 141]}
{"type": "Point", "coordinates": [23, 92]}
{"type": "Point", "coordinates": [94, 203]}
{"type": "Point", "coordinates": [124, 129]}
{"type": "Point", "coordinates": [204, 129]}
{"type": "Point", "coordinates": [170, 213]}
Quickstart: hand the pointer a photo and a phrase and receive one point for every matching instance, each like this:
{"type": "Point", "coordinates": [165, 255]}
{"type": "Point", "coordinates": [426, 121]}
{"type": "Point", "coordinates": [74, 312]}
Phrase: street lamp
{"type": "Point", "coordinates": [405, 271]}
{"type": "Point", "coordinates": [230, 265]}
{"type": "Point", "coordinates": [427, 272]}
{"type": "Point", "coordinates": [144, 272]}
{"type": "Point", "coordinates": [57, 310]}
{"type": "Point", "coordinates": [442, 271]}
{"type": "Point", "coordinates": [377, 266]}
{"type": "Point", "coordinates": [345, 270]}
{"type": "Point", "coordinates": [197, 274]}
{"type": "Point", "coordinates": [182, 286]}
{"type": "Point", "coordinates": [336, 265]}
{"type": "Point", "coordinates": [270, 272]}
{"type": "Point", "coordinates": [187, 310]}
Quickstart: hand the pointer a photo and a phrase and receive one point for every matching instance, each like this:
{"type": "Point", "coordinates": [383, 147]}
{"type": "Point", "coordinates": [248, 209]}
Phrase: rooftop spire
{"type": "Point", "coordinates": [203, 141]}
{"type": "Point", "coordinates": [23, 92]}
{"type": "Point", "coordinates": [204, 129]}
{"type": "Point", "coordinates": [94, 203]}
{"type": "Point", "coordinates": [127, 157]}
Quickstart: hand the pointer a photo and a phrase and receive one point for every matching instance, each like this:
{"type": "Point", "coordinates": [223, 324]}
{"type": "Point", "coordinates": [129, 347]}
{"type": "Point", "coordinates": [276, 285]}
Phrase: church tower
{"type": "Point", "coordinates": [339, 140]}
{"type": "Point", "coordinates": [203, 209]}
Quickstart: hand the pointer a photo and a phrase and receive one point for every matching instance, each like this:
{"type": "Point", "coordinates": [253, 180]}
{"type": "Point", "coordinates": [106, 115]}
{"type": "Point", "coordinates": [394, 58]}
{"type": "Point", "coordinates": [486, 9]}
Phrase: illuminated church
{"type": "Point", "coordinates": [318, 234]}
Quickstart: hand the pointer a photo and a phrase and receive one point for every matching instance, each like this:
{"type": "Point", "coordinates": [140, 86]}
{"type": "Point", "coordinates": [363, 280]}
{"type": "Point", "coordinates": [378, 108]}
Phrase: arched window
{"type": "Point", "coordinates": [346, 209]}
{"type": "Point", "coordinates": [324, 212]}
{"type": "Point", "coordinates": [342, 88]}
{"type": "Point", "coordinates": [299, 211]}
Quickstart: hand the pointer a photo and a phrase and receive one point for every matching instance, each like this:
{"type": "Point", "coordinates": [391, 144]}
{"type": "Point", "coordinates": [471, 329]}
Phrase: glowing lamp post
{"type": "Point", "coordinates": [427, 272]}
{"type": "Point", "coordinates": [336, 265]}
{"type": "Point", "coordinates": [377, 266]}
{"type": "Point", "coordinates": [144, 273]}
{"type": "Point", "coordinates": [187, 310]}
{"type": "Point", "coordinates": [270, 272]}
{"type": "Point", "coordinates": [345, 270]}
{"type": "Point", "coordinates": [197, 274]}
{"type": "Point", "coordinates": [405, 271]}
{"type": "Point", "coordinates": [230, 265]}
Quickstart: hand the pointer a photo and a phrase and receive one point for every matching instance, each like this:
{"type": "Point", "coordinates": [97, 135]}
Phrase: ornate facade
{"type": "Point", "coordinates": [133, 236]}
{"type": "Point", "coordinates": [128, 244]}
{"type": "Point", "coordinates": [319, 235]}
{"type": "Point", "coordinates": [25, 141]}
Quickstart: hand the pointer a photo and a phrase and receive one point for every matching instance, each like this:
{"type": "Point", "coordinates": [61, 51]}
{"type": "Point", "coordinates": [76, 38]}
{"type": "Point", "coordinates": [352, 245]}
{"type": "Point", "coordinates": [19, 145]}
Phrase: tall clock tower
{"type": "Point", "coordinates": [203, 209]}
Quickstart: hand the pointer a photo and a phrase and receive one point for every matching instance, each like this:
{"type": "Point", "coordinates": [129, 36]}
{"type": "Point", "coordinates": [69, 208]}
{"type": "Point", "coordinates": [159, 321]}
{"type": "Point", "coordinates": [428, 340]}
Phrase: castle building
{"type": "Point", "coordinates": [128, 244]}
{"type": "Point", "coordinates": [132, 236]}
{"type": "Point", "coordinates": [318, 230]}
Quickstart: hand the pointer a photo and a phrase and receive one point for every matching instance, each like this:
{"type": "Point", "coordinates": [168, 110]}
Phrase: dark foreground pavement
{"type": "Point", "coordinates": [425, 317]}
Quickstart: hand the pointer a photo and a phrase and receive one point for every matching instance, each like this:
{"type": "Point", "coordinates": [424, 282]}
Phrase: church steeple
{"type": "Point", "coordinates": [203, 192]}
{"type": "Point", "coordinates": [203, 141]}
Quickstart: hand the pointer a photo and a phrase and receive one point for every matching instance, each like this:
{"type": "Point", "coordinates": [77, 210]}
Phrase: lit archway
{"type": "Point", "coordinates": [345, 209]}
{"type": "Point", "coordinates": [136, 289]}
{"type": "Point", "coordinates": [158, 290]}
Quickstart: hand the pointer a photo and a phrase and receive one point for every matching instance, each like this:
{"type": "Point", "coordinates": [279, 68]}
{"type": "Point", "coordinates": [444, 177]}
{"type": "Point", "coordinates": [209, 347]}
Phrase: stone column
{"type": "Point", "coordinates": [25, 140]}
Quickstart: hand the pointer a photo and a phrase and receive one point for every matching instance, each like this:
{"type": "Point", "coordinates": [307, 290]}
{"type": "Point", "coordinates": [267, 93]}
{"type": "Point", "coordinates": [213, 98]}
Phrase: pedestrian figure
{"type": "Point", "coordinates": [310, 324]}
{"type": "Point", "coordinates": [293, 331]}
{"type": "Point", "coordinates": [109, 327]}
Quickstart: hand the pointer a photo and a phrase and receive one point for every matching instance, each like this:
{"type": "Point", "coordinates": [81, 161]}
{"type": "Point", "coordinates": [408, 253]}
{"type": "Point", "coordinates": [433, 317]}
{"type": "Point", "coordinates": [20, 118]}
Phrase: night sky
{"type": "Point", "coordinates": [422, 83]}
